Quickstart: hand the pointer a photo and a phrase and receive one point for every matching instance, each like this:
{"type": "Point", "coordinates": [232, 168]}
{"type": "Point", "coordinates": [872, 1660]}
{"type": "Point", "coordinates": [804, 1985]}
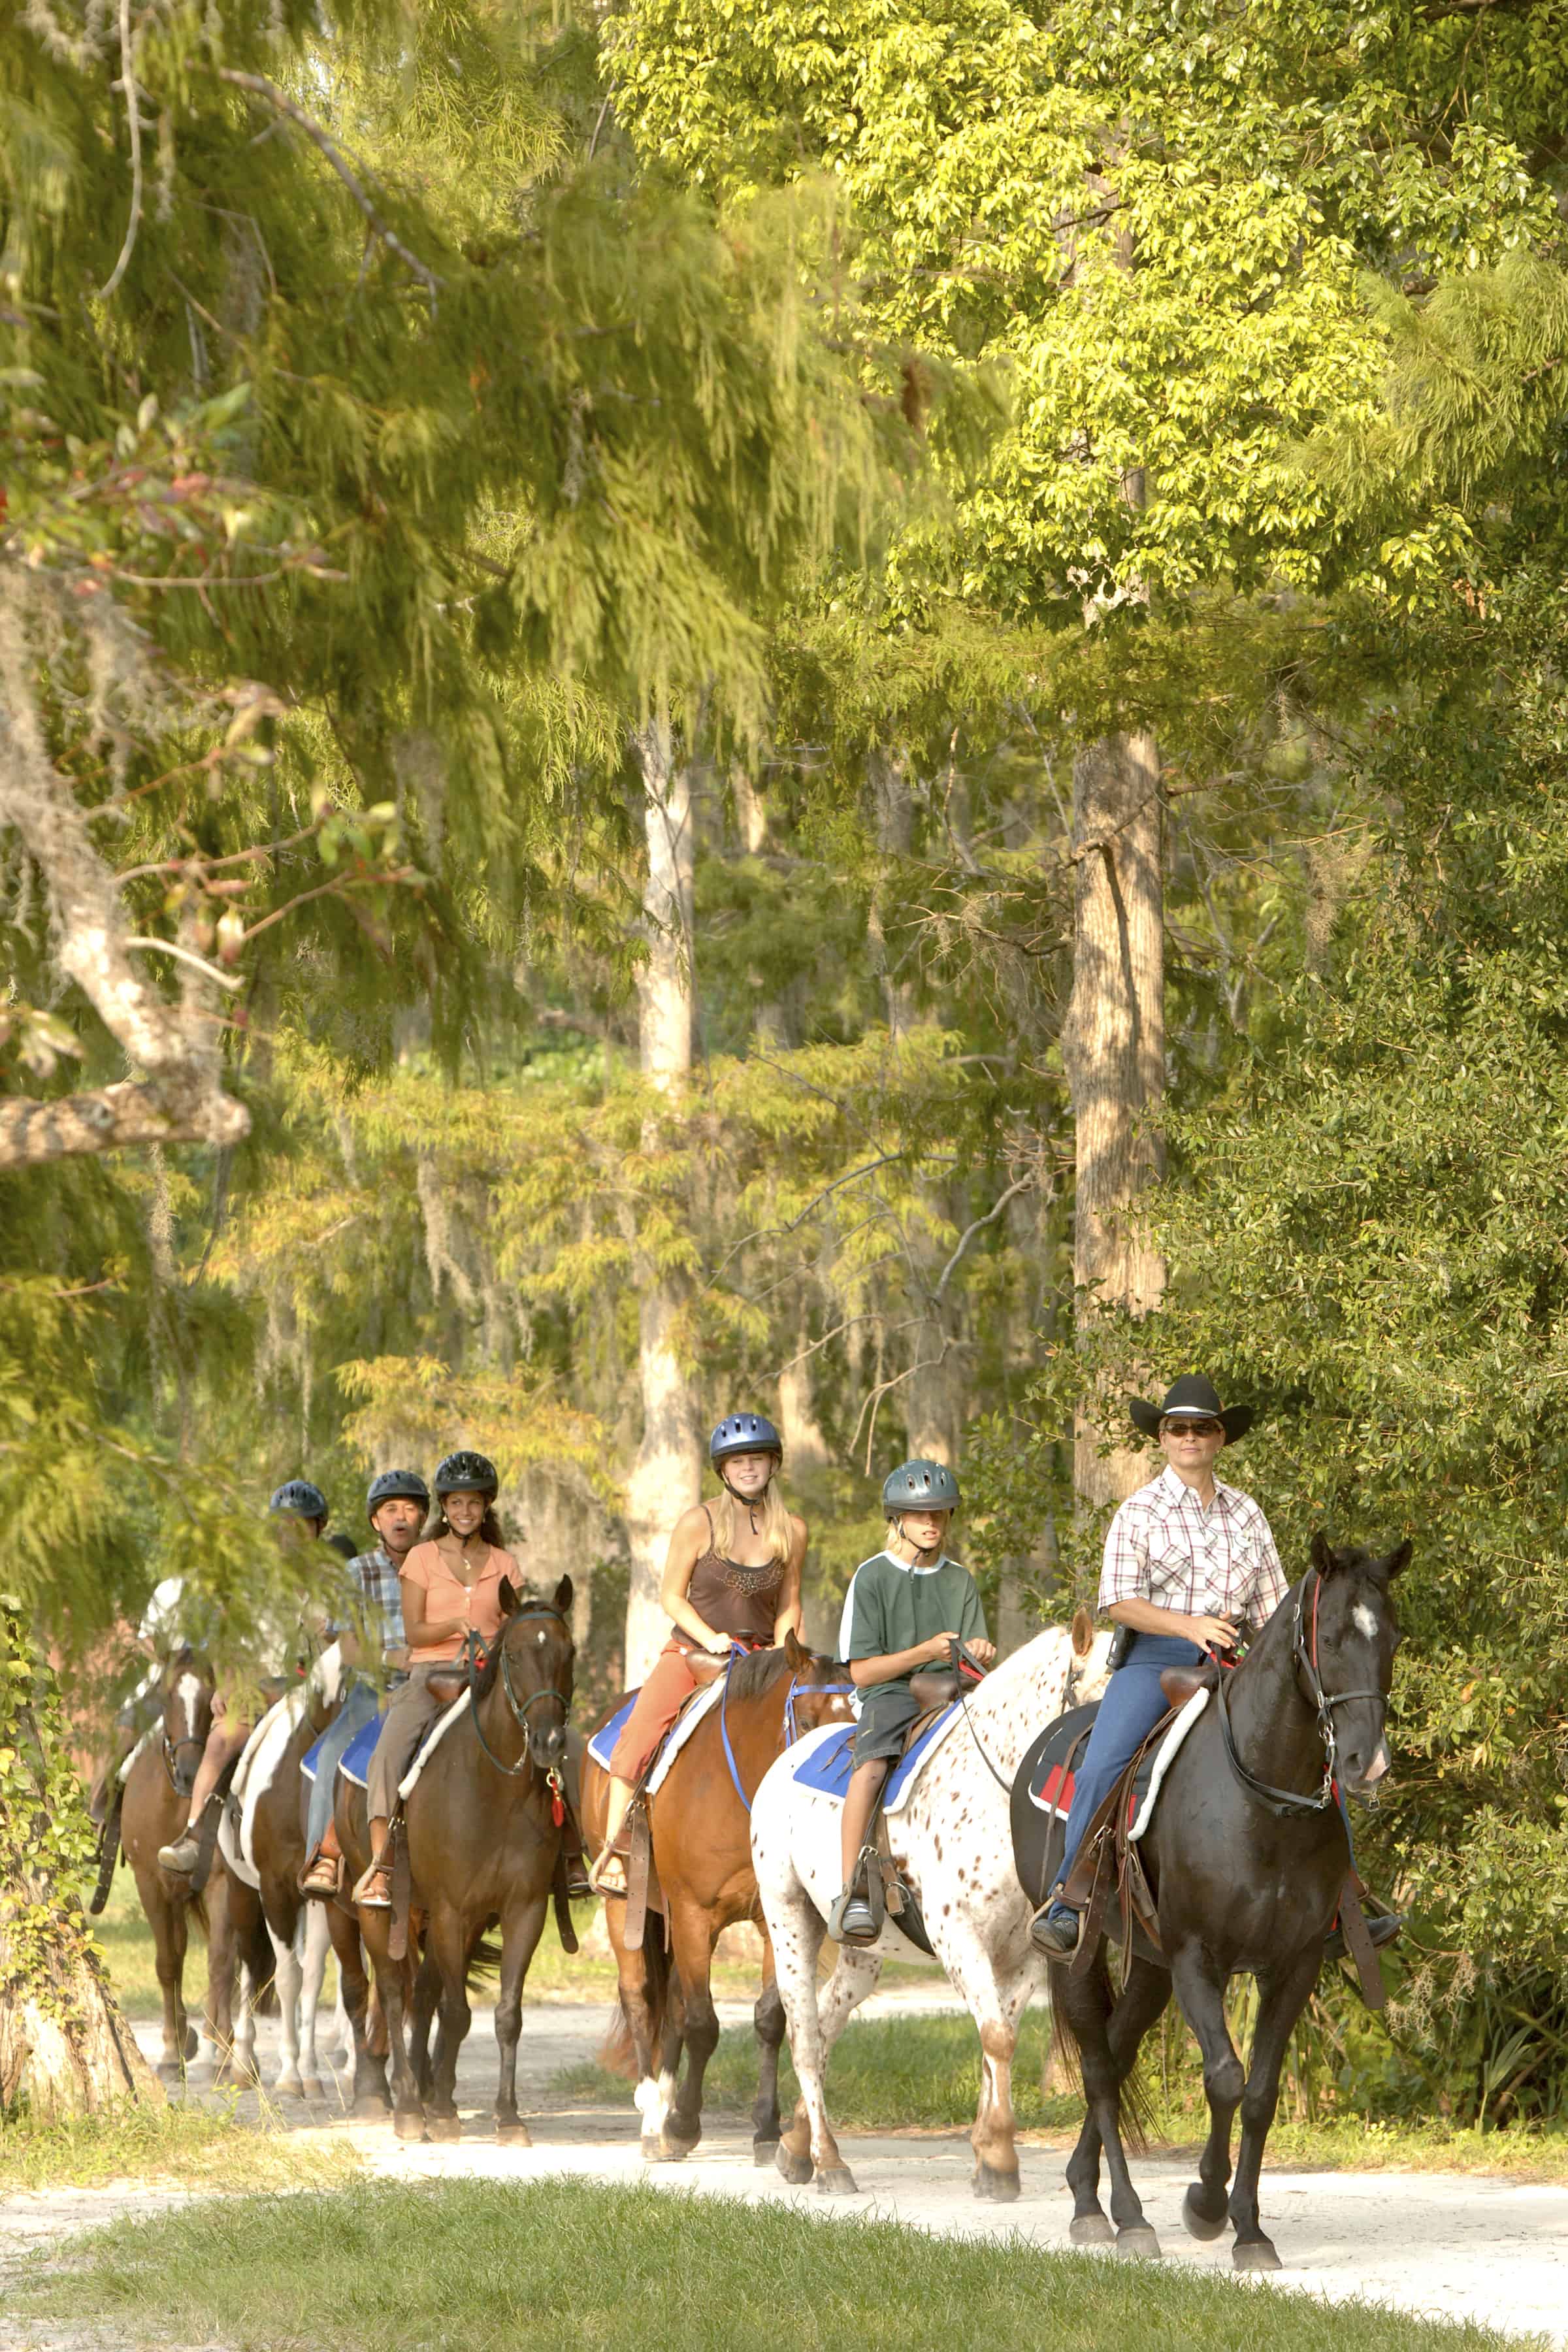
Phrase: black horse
{"type": "Point", "coordinates": [1247, 1856]}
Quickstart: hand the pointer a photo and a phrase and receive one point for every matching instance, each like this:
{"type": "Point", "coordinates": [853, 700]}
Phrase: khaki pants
{"type": "Point", "coordinates": [411, 1708]}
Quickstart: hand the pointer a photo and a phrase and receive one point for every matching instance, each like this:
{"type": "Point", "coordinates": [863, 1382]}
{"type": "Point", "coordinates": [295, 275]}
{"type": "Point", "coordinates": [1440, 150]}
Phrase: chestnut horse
{"type": "Point", "coordinates": [483, 1841]}
{"type": "Point", "coordinates": [149, 1812]}
{"type": "Point", "coordinates": [701, 1825]}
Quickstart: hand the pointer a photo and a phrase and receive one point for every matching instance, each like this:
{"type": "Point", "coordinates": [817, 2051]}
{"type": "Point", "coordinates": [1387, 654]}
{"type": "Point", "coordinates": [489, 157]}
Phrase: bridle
{"type": "Point", "coordinates": [1304, 1660]}
{"type": "Point", "coordinates": [519, 1707]}
{"type": "Point", "coordinates": [791, 1727]}
{"type": "Point", "coordinates": [171, 1750]}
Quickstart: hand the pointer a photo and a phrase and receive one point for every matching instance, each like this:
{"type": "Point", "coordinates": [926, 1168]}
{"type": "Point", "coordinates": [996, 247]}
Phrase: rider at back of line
{"type": "Point", "coordinates": [904, 1609]}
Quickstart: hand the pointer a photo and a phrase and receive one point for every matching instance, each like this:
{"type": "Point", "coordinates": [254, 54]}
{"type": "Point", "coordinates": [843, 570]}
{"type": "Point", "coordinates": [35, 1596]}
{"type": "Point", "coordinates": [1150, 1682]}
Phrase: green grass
{"type": "Point", "coordinates": [922, 2073]}
{"type": "Point", "coordinates": [566, 2263]}
{"type": "Point", "coordinates": [183, 2147]}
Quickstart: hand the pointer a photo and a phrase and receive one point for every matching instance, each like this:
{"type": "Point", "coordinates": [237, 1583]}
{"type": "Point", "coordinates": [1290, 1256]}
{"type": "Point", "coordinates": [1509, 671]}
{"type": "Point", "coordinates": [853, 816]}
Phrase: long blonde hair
{"type": "Point", "coordinates": [776, 1527]}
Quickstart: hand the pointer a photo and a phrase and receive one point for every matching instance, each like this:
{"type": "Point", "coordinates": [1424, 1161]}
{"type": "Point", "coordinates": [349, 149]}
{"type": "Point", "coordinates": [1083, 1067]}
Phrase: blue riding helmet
{"type": "Point", "coordinates": [466, 1474]}
{"type": "Point", "coordinates": [921, 1486]}
{"type": "Point", "coordinates": [745, 1432]}
{"type": "Point", "coordinates": [390, 1486]}
{"type": "Point", "coordinates": [299, 1496]}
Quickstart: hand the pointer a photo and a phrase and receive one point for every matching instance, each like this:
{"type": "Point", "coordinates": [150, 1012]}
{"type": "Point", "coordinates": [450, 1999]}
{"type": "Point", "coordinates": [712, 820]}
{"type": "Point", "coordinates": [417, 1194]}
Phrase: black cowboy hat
{"type": "Point", "coordinates": [1192, 1398]}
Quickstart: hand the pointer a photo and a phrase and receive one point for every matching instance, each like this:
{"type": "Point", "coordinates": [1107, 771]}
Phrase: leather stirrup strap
{"type": "Point", "coordinates": [640, 1867]}
{"type": "Point", "coordinates": [207, 1835]}
{"type": "Point", "coordinates": [564, 1928]}
{"type": "Point", "coordinates": [1359, 1945]}
{"type": "Point", "coordinates": [402, 1891]}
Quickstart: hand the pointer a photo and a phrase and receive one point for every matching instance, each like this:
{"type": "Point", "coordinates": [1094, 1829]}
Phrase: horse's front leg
{"type": "Point", "coordinates": [1283, 1998]}
{"type": "Point", "coordinates": [171, 1931]}
{"type": "Point", "coordinates": [288, 1974]}
{"type": "Point", "coordinates": [446, 1947]}
{"type": "Point", "coordinates": [1087, 2007]}
{"type": "Point", "coordinates": [815, 2025]}
{"type": "Point", "coordinates": [691, 1928]}
{"type": "Point", "coordinates": [768, 2025]}
{"type": "Point", "coordinates": [313, 1975]}
{"type": "Point", "coordinates": [371, 2096]}
{"type": "Point", "coordinates": [1202, 1996]}
{"type": "Point", "coordinates": [521, 1932]}
{"type": "Point", "coordinates": [407, 2109]}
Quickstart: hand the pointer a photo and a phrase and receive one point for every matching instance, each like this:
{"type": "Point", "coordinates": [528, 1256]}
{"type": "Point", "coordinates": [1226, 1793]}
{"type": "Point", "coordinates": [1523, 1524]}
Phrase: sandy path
{"type": "Point", "coordinates": [1443, 2245]}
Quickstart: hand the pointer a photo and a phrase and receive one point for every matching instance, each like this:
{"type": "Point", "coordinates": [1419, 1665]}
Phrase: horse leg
{"type": "Point", "coordinates": [312, 1974]}
{"type": "Point", "coordinates": [1284, 1997]}
{"type": "Point", "coordinates": [407, 2109]}
{"type": "Point", "coordinates": [692, 1936]}
{"type": "Point", "coordinates": [645, 2007]}
{"type": "Point", "coordinates": [446, 1947]}
{"type": "Point", "coordinates": [371, 2096]}
{"type": "Point", "coordinates": [768, 2025]}
{"type": "Point", "coordinates": [814, 2028]}
{"type": "Point", "coordinates": [1202, 1996]}
{"type": "Point", "coordinates": [1086, 2005]}
{"type": "Point", "coordinates": [423, 2007]}
{"type": "Point", "coordinates": [287, 1973]}
{"type": "Point", "coordinates": [519, 1935]}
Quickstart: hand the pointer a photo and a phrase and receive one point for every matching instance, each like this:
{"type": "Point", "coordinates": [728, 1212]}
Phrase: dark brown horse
{"type": "Point", "coordinates": [701, 1821]}
{"type": "Point", "coordinates": [1247, 1856]}
{"type": "Point", "coordinates": [150, 1813]}
{"type": "Point", "coordinates": [483, 1842]}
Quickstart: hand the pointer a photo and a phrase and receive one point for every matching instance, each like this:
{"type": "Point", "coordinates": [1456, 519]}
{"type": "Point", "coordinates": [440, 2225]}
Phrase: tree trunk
{"type": "Point", "coordinates": [1113, 1050]}
{"type": "Point", "coordinates": [667, 1477]}
{"type": "Point", "coordinates": [65, 2047]}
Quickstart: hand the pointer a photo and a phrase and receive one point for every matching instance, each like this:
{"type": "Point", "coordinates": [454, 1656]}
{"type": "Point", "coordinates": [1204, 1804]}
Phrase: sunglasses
{"type": "Point", "coordinates": [1194, 1429]}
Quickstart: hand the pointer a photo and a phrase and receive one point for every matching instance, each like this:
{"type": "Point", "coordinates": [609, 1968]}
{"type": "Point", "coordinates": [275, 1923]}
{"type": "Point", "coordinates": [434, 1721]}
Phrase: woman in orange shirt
{"type": "Point", "coordinates": [451, 1587]}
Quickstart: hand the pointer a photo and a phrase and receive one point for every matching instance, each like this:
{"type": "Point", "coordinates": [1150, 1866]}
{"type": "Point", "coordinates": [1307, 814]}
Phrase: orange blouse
{"type": "Point", "coordinates": [447, 1596]}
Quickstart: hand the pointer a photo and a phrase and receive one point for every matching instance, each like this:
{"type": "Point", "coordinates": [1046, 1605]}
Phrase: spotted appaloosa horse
{"type": "Point", "coordinates": [952, 1841]}
{"type": "Point", "coordinates": [700, 1827]}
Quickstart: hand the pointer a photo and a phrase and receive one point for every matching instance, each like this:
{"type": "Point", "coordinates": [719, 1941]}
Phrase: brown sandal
{"type": "Point", "coordinates": [322, 1876]}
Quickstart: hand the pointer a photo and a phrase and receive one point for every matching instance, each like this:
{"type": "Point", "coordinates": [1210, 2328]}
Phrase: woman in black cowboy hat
{"type": "Point", "coordinates": [1189, 1562]}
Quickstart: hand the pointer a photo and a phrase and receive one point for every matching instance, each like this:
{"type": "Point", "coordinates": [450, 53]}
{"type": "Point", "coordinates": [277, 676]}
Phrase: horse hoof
{"type": "Point", "coordinates": [288, 2086]}
{"type": "Point", "coordinates": [1090, 2229]}
{"type": "Point", "coordinates": [371, 2107]}
{"type": "Point", "coordinates": [764, 2152]}
{"type": "Point", "coordinates": [512, 2135]}
{"type": "Point", "coordinates": [193, 2043]}
{"type": "Point", "coordinates": [1198, 2224]}
{"type": "Point", "coordinates": [837, 2180]}
{"type": "Point", "coordinates": [795, 2170]}
{"type": "Point", "coordinates": [652, 2153]}
{"type": "Point", "coordinates": [1259, 2255]}
{"type": "Point", "coordinates": [408, 2126]}
{"type": "Point", "coordinates": [1000, 2187]}
{"type": "Point", "coordinates": [675, 2148]}
{"type": "Point", "coordinates": [312, 2087]}
{"type": "Point", "coordinates": [444, 2127]}
{"type": "Point", "coordinates": [1138, 2244]}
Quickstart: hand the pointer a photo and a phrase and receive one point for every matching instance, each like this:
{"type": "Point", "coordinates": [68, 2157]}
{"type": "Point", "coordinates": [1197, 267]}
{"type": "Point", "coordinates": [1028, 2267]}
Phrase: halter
{"type": "Point", "coordinates": [1304, 1660]}
{"type": "Point", "coordinates": [172, 1749]}
{"type": "Point", "coordinates": [519, 1707]}
{"type": "Point", "coordinates": [790, 1730]}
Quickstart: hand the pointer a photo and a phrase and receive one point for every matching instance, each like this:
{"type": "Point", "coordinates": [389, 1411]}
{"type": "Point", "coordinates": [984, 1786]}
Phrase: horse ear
{"type": "Point", "coordinates": [1082, 1633]}
{"type": "Point", "coordinates": [506, 1596]}
{"type": "Point", "coordinates": [1395, 1562]}
{"type": "Point", "coordinates": [1323, 1559]}
{"type": "Point", "coordinates": [796, 1654]}
{"type": "Point", "coordinates": [562, 1600]}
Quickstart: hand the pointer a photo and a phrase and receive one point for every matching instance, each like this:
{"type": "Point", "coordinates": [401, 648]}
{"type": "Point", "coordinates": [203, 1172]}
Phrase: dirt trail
{"type": "Point", "coordinates": [1440, 2244]}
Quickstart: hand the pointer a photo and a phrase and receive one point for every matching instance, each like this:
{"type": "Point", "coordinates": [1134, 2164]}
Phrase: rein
{"type": "Point", "coordinates": [518, 1708]}
{"type": "Point", "coordinates": [791, 1731]}
{"type": "Point", "coordinates": [1286, 1802]}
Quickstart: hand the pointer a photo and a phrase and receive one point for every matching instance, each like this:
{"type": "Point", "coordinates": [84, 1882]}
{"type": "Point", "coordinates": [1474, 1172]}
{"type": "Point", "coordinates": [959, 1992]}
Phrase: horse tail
{"type": "Point", "coordinates": [257, 1955]}
{"type": "Point", "coordinates": [617, 2052]}
{"type": "Point", "coordinates": [485, 1958]}
{"type": "Point", "coordinates": [1134, 2100]}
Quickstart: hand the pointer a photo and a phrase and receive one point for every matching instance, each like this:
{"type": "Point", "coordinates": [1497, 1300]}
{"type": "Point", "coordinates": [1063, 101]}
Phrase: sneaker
{"type": "Point", "coordinates": [1055, 1930]}
{"type": "Point", "coordinates": [851, 1920]}
{"type": "Point", "coordinates": [183, 1856]}
{"type": "Point", "coordinates": [1381, 1928]}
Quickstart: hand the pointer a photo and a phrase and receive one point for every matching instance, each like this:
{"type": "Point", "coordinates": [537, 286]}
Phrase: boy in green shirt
{"type": "Point", "coordinates": [902, 1611]}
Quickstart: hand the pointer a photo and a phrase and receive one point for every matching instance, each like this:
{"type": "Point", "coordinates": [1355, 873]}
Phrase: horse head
{"type": "Point", "coordinates": [819, 1690]}
{"type": "Point", "coordinates": [186, 1689]}
{"type": "Point", "coordinates": [537, 1659]}
{"type": "Point", "coordinates": [1346, 1637]}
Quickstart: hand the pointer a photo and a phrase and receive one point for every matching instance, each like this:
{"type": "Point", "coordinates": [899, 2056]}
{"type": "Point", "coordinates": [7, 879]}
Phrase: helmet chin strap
{"type": "Point", "coordinates": [748, 1503]}
{"type": "Point", "coordinates": [923, 1552]}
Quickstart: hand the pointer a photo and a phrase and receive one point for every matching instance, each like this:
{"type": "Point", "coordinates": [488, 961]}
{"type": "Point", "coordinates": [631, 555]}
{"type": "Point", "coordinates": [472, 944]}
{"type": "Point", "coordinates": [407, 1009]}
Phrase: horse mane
{"type": "Point", "coordinates": [757, 1671]}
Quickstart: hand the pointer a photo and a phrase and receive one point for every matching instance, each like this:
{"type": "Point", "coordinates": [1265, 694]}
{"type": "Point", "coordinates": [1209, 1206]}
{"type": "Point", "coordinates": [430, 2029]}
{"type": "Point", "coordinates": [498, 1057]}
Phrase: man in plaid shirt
{"type": "Point", "coordinates": [371, 1617]}
{"type": "Point", "coordinates": [1189, 1563]}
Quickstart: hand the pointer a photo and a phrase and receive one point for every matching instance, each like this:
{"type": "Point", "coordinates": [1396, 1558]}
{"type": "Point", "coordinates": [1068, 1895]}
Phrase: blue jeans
{"type": "Point", "coordinates": [362, 1703]}
{"type": "Point", "coordinates": [1132, 1706]}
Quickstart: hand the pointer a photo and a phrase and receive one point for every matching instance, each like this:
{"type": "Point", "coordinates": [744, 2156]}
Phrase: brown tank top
{"type": "Point", "coordinates": [734, 1598]}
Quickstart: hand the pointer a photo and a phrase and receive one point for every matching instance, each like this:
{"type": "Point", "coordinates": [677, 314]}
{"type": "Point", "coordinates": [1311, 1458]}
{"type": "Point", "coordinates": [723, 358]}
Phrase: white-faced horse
{"type": "Point", "coordinates": [952, 1840]}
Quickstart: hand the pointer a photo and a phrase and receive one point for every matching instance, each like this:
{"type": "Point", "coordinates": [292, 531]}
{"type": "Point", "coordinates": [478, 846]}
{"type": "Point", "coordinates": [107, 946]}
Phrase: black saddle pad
{"type": "Point", "coordinates": [1042, 1792]}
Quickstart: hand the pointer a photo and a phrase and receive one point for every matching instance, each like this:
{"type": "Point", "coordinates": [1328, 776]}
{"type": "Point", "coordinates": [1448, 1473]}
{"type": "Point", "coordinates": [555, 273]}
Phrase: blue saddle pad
{"type": "Point", "coordinates": [602, 1745]}
{"type": "Point", "coordinates": [354, 1762]}
{"type": "Point", "coordinates": [827, 1767]}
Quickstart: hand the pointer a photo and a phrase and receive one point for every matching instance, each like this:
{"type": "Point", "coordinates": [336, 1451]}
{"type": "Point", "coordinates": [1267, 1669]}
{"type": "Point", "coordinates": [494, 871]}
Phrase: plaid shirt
{"type": "Point", "coordinates": [1164, 1547]}
{"type": "Point", "coordinates": [377, 1596]}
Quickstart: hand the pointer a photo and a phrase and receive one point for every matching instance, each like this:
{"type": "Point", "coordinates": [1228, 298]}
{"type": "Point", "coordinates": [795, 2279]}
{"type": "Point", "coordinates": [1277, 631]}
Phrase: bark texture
{"type": "Point", "coordinates": [1113, 1050]}
{"type": "Point", "coordinates": [667, 1477]}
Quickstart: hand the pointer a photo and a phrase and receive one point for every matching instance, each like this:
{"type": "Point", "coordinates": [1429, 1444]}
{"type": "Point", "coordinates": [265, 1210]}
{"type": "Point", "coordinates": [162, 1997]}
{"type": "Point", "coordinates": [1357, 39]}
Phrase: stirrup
{"type": "Point", "coordinates": [373, 1871]}
{"type": "Point", "coordinates": [322, 1876]}
{"type": "Point", "coordinates": [851, 1919]}
{"type": "Point", "coordinates": [182, 1855]}
{"type": "Point", "coordinates": [1049, 1934]}
{"type": "Point", "coordinates": [614, 1858]}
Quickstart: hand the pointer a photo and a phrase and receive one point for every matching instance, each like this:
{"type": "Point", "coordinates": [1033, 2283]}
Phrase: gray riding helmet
{"type": "Point", "coordinates": [920, 1486]}
{"type": "Point", "coordinates": [395, 1485]}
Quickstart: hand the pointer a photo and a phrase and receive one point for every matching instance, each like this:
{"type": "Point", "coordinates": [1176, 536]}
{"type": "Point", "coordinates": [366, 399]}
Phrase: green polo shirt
{"type": "Point", "coordinates": [889, 1607]}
